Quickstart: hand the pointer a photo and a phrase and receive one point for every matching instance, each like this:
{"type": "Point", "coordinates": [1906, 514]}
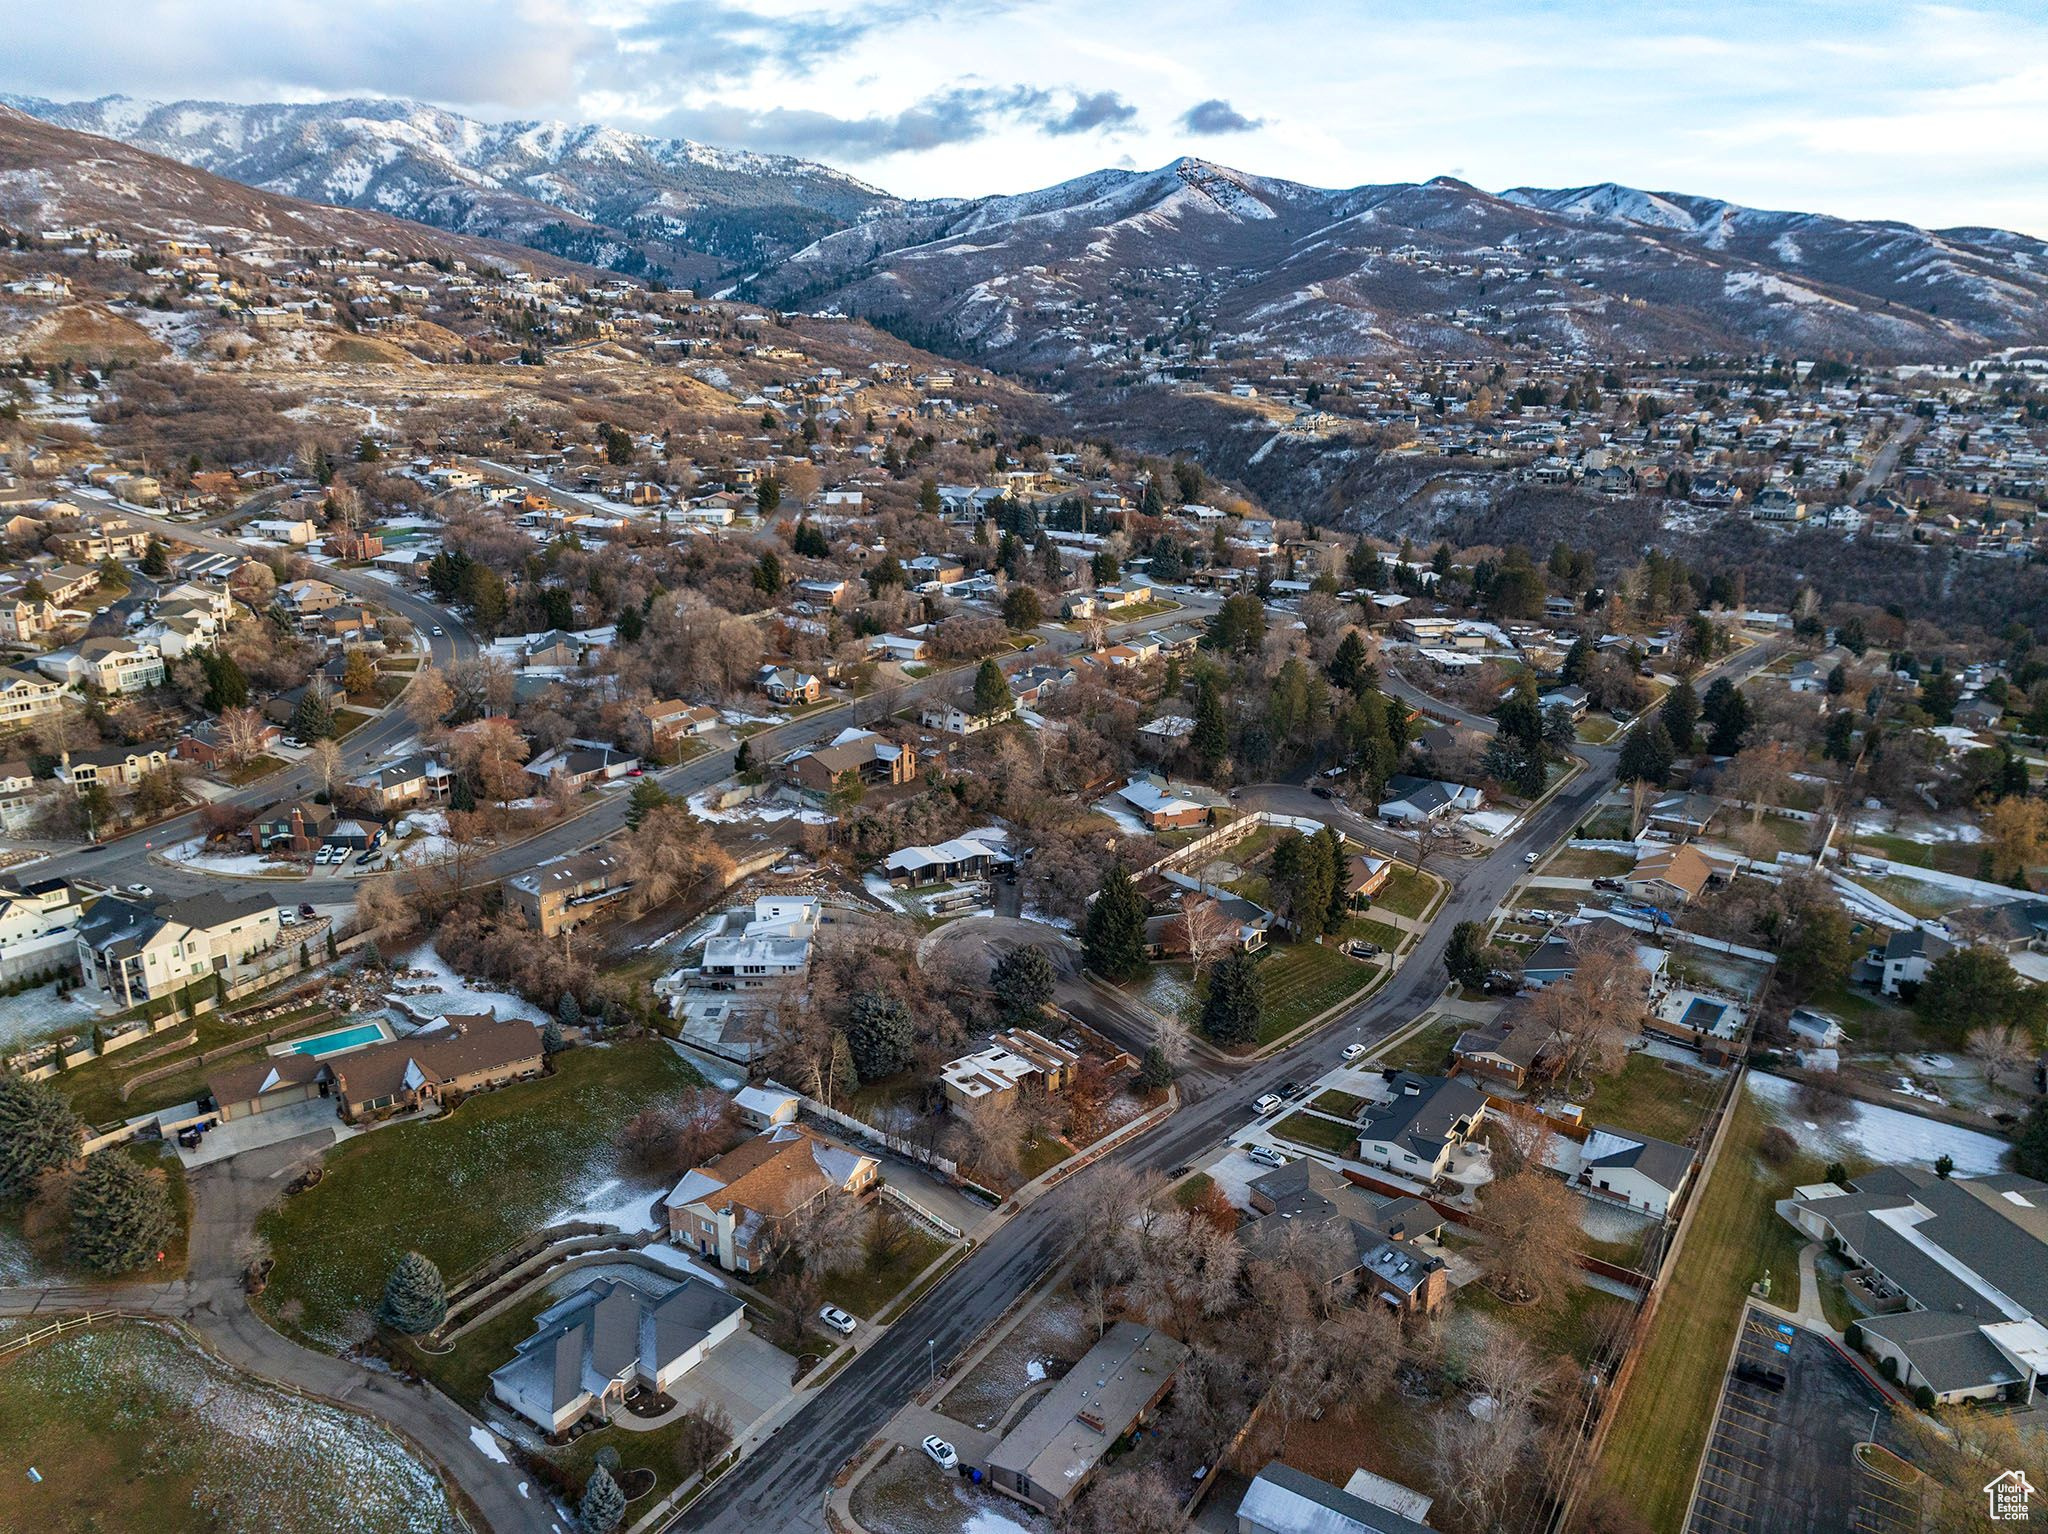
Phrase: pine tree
{"type": "Point", "coordinates": [1337, 906]}
{"type": "Point", "coordinates": [647, 797]}
{"type": "Point", "coordinates": [603, 1506]}
{"type": "Point", "coordinates": [38, 1131]}
{"type": "Point", "coordinates": [1465, 956]}
{"type": "Point", "coordinates": [569, 1010]}
{"type": "Point", "coordinates": [1647, 756]}
{"type": "Point", "coordinates": [1232, 1008]}
{"type": "Point", "coordinates": [1680, 716]}
{"type": "Point", "coordinates": [552, 1041]}
{"type": "Point", "coordinates": [1113, 936]}
{"type": "Point", "coordinates": [1210, 741]}
{"type": "Point", "coordinates": [1023, 982]}
{"type": "Point", "coordinates": [743, 759]}
{"type": "Point", "coordinates": [415, 1299]}
{"type": "Point", "coordinates": [333, 948]}
{"type": "Point", "coordinates": [121, 1215]}
{"type": "Point", "coordinates": [881, 1036]}
{"type": "Point", "coordinates": [1349, 666]}
{"type": "Point", "coordinates": [155, 563]}
{"type": "Point", "coordinates": [991, 691]}
{"type": "Point", "coordinates": [1155, 1074]}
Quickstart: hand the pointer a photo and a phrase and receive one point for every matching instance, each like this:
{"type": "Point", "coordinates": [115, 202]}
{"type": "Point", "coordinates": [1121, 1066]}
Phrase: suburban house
{"type": "Point", "coordinates": [1387, 1248]}
{"type": "Point", "coordinates": [766, 1107]}
{"type": "Point", "coordinates": [1209, 909]}
{"type": "Point", "coordinates": [1168, 806]}
{"type": "Point", "coordinates": [1683, 815]}
{"type": "Point", "coordinates": [1670, 876]}
{"type": "Point", "coordinates": [1905, 959]}
{"type": "Point", "coordinates": [299, 826]}
{"type": "Point", "coordinates": [591, 1349]}
{"type": "Point", "coordinates": [670, 721]}
{"type": "Point", "coordinates": [1415, 1129]}
{"type": "Point", "coordinates": [1416, 801]}
{"type": "Point", "coordinates": [414, 779]}
{"type": "Point", "coordinates": [204, 743]}
{"type": "Point", "coordinates": [1963, 1262]}
{"type": "Point", "coordinates": [113, 768]}
{"type": "Point", "coordinates": [1503, 1051]}
{"type": "Point", "coordinates": [466, 1054]}
{"type": "Point", "coordinates": [136, 952]}
{"type": "Point", "coordinates": [1016, 1060]}
{"type": "Point", "coordinates": [1047, 1457]}
{"type": "Point", "coordinates": [24, 695]}
{"type": "Point", "coordinates": [732, 1207]}
{"type": "Point", "coordinates": [1284, 1500]}
{"type": "Point", "coordinates": [963, 858]}
{"type": "Point", "coordinates": [560, 896]}
{"type": "Point", "coordinates": [1365, 875]}
{"type": "Point", "coordinates": [766, 947]}
{"type": "Point", "coordinates": [869, 757]}
{"type": "Point", "coordinates": [579, 763]}
{"type": "Point", "coordinates": [38, 928]}
{"type": "Point", "coordinates": [953, 719]}
{"type": "Point", "coordinates": [786, 685]}
{"type": "Point", "coordinates": [1646, 1174]}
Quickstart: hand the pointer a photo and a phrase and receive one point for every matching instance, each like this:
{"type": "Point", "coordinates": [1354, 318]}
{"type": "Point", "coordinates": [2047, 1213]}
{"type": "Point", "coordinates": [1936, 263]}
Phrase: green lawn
{"type": "Point", "coordinates": [349, 720]}
{"type": "Point", "coordinates": [1302, 980]}
{"type": "Point", "coordinates": [1574, 1328]}
{"type": "Point", "coordinates": [1370, 931]}
{"type": "Point", "coordinates": [1321, 1133]}
{"type": "Point", "coordinates": [464, 1371]}
{"type": "Point", "coordinates": [1597, 729]}
{"type": "Point", "coordinates": [131, 1427]}
{"type": "Point", "coordinates": [874, 1284]}
{"type": "Point", "coordinates": [1428, 1050]}
{"type": "Point", "coordinates": [460, 1188]}
{"type": "Point", "coordinates": [94, 1088]}
{"type": "Point", "coordinates": [1962, 858]}
{"type": "Point", "coordinates": [1343, 1104]}
{"type": "Point", "coordinates": [1587, 863]}
{"type": "Point", "coordinates": [1653, 1450]}
{"type": "Point", "coordinates": [1408, 893]}
{"type": "Point", "coordinates": [1192, 1191]}
{"type": "Point", "coordinates": [251, 770]}
{"type": "Point", "coordinates": [1653, 1097]}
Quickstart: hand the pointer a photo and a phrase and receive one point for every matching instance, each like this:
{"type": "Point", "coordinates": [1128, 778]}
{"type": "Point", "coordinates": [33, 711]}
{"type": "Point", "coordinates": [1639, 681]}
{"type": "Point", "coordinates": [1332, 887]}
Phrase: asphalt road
{"type": "Point", "coordinates": [782, 1486]}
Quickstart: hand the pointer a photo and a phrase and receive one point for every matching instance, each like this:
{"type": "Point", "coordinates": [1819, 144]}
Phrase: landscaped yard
{"type": "Point", "coordinates": [1365, 929]}
{"type": "Point", "coordinates": [460, 1188]}
{"type": "Point", "coordinates": [94, 1088]}
{"type": "Point", "coordinates": [1320, 1133]}
{"type": "Point", "coordinates": [1302, 980]}
{"type": "Point", "coordinates": [1428, 1050]}
{"type": "Point", "coordinates": [1653, 1450]}
{"type": "Point", "coordinates": [1654, 1097]}
{"type": "Point", "coordinates": [131, 1427]}
{"type": "Point", "coordinates": [1954, 857]}
{"type": "Point", "coordinates": [1576, 1327]}
{"type": "Point", "coordinates": [866, 1289]}
{"type": "Point", "coordinates": [1587, 863]}
{"type": "Point", "coordinates": [1343, 1104]}
{"type": "Point", "coordinates": [1408, 893]}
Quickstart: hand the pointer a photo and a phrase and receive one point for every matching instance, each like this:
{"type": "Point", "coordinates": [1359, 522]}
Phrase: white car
{"type": "Point", "coordinates": [1266, 1155]}
{"type": "Point", "coordinates": [1352, 1052]}
{"type": "Point", "coordinates": [1267, 1103]}
{"type": "Point", "coordinates": [838, 1320]}
{"type": "Point", "coordinates": [1531, 857]}
{"type": "Point", "coordinates": [294, 742]}
{"type": "Point", "coordinates": [141, 889]}
{"type": "Point", "coordinates": [942, 1453]}
{"type": "Point", "coordinates": [436, 631]}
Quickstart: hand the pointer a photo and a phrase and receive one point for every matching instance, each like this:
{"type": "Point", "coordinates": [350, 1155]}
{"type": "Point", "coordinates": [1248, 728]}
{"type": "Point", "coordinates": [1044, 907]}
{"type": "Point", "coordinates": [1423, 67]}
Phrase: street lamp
{"type": "Point", "coordinates": [931, 1360]}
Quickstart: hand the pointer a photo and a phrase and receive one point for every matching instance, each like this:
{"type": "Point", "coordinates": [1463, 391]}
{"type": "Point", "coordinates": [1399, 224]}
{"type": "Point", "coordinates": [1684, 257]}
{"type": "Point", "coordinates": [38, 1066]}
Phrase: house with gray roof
{"type": "Point", "coordinates": [1968, 1262]}
{"type": "Point", "coordinates": [1284, 1500]}
{"type": "Point", "coordinates": [1389, 1249]}
{"type": "Point", "coordinates": [1416, 1127]}
{"type": "Point", "coordinates": [1642, 1171]}
{"type": "Point", "coordinates": [588, 1352]}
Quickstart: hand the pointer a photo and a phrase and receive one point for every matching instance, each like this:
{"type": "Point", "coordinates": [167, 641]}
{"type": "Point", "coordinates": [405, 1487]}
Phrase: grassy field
{"type": "Point", "coordinates": [1575, 1328]}
{"type": "Point", "coordinates": [1653, 1097]}
{"type": "Point", "coordinates": [1428, 1050]}
{"type": "Point", "coordinates": [1302, 980]}
{"type": "Point", "coordinates": [1587, 863]}
{"type": "Point", "coordinates": [1193, 1190]}
{"type": "Point", "coordinates": [1597, 729]}
{"type": "Point", "coordinates": [459, 1188]}
{"type": "Point", "coordinates": [1653, 1450]}
{"type": "Point", "coordinates": [1408, 893]}
{"type": "Point", "coordinates": [1963, 858]}
{"type": "Point", "coordinates": [1343, 1104]}
{"type": "Point", "coordinates": [1321, 1133]}
{"type": "Point", "coordinates": [874, 1284]}
{"type": "Point", "coordinates": [131, 1427]}
{"type": "Point", "coordinates": [1365, 928]}
{"type": "Point", "coordinates": [464, 1371]}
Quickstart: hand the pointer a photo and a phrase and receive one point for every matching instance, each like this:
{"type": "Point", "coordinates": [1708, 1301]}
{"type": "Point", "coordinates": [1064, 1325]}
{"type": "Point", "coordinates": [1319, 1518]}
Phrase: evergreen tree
{"type": "Point", "coordinates": [1727, 715]}
{"type": "Point", "coordinates": [1235, 1001]}
{"type": "Point", "coordinates": [415, 1299]}
{"type": "Point", "coordinates": [1023, 982]}
{"type": "Point", "coordinates": [1022, 608]}
{"type": "Point", "coordinates": [38, 1131]}
{"type": "Point", "coordinates": [1465, 956]}
{"type": "Point", "coordinates": [313, 719]}
{"type": "Point", "coordinates": [928, 497]}
{"type": "Point", "coordinates": [121, 1215]}
{"type": "Point", "coordinates": [1113, 936]}
{"type": "Point", "coordinates": [226, 685]}
{"type": "Point", "coordinates": [768, 495]}
{"type": "Point", "coordinates": [1337, 907]}
{"type": "Point", "coordinates": [647, 797]}
{"type": "Point", "coordinates": [1680, 716]}
{"type": "Point", "coordinates": [991, 691]}
{"type": "Point", "coordinates": [1155, 1074]}
{"type": "Point", "coordinates": [810, 542]}
{"type": "Point", "coordinates": [2030, 1143]}
{"type": "Point", "coordinates": [743, 759]}
{"type": "Point", "coordinates": [631, 625]}
{"type": "Point", "coordinates": [1647, 756]}
{"type": "Point", "coordinates": [1578, 662]}
{"type": "Point", "coordinates": [1349, 667]}
{"type": "Point", "coordinates": [768, 573]}
{"type": "Point", "coordinates": [1210, 741]}
{"type": "Point", "coordinates": [552, 1041]}
{"type": "Point", "coordinates": [880, 1035]}
{"type": "Point", "coordinates": [603, 1507]}
{"type": "Point", "coordinates": [155, 563]}
{"type": "Point", "coordinates": [333, 948]}
{"type": "Point", "coordinates": [569, 1010]}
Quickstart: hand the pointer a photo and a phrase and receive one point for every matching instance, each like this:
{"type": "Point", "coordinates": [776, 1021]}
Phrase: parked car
{"type": "Point", "coordinates": [942, 1453]}
{"type": "Point", "coordinates": [1291, 1090]}
{"type": "Point", "coordinates": [294, 742]}
{"type": "Point", "coordinates": [366, 858]}
{"type": "Point", "coordinates": [1353, 1052]}
{"type": "Point", "coordinates": [838, 1320]}
{"type": "Point", "coordinates": [141, 889]}
{"type": "Point", "coordinates": [1531, 858]}
{"type": "Point", "coordinates": [1266, 1155]}
{"type": "Point", "coordinates": [307, 910]}
{"type": "Point", "coordinates": [1267, 1103]}
{"type": "Point", "coordinates": [287, 917]}
{"type": "Point", "coordinates": [436, 631]}
{"type": "Point", "coordinates": [1613, 886]}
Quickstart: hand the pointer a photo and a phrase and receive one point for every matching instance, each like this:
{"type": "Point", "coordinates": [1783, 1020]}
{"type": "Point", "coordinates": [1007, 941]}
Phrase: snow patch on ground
{"type": "Point", "coordinates": [438, 989]}
{"type": "Point", "coordinates": [193, 854]}
{"type": "Point", "coordinates": [1125, 821]}
{"type": "Point", "coordinates": [1890, 1135]}
{"type": "Point", "coordinates": [614, 1202]}
{"type": "Point", "coordinates": [33, 1014]}
{"type": "Point", "coordinates": [487, 1446]}
{"type": "Point", "coordinates": [680, 1262]}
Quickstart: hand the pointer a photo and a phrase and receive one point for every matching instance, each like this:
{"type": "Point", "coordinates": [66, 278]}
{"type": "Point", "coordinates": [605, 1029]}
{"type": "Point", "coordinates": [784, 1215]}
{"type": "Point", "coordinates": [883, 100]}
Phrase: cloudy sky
{"type": "Point", "coordinates": [1934, 113]}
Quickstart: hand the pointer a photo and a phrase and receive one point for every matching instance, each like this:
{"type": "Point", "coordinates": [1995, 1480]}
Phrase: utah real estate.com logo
{"type": "Point", "coordinates": [2009, 1497]}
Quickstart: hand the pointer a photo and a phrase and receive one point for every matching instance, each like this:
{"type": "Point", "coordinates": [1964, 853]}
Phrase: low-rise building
{"type": "Point", "coordinates": [560, 896]}
{"type": "Point", "coordinates": [854, 755]}
{"type": "Point", "coordinates": [416, 778]}
{"type": "Point", "coordinates": [1167, 806]}
{"type": "Point", "coordinates": [136, 952]}
{"type": "Point", "coordinates": [38, 928]}
{"type": "Point", "coordinates": [769, 946]}
{"type": "Point", "coordinates": [1016, 1060]}
{"type": "Point", "coordinates": [732, 1208]}
{"type": "Point", "coordinates": [1415, 1129]}
{"type": "Point", "coordinates": [117, 769]}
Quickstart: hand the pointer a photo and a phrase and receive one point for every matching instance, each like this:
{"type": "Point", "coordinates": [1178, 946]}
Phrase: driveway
{"type": "Point", "coordinates": [746, 1377]}
{"type": "Point", "coordinates": [307, 1121]}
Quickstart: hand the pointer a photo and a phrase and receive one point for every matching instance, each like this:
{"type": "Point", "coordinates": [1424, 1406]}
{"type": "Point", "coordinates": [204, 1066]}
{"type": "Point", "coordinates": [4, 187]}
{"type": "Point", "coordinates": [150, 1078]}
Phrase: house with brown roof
{"type": "Point", "coordinates": [870, 758]}
{"type": "Point", "coordinates": [672, 720]}
{"type": "Point", "coordinates": [731, 1208]}
{"type": "Point", "coordinates": [465, 1054]}
{"type": "Point", "coordinates": [1670, 875]}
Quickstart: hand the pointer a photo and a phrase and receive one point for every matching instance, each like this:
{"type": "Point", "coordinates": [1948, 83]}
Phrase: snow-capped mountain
{"type": "Point", "coordinates": [1094, 267]}
{"type": "Point", "coordinates": [583, 191]}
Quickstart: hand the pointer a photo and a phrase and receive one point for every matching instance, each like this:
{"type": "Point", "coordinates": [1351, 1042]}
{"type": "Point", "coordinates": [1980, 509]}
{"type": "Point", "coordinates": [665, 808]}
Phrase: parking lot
{"type": "Point", "coordinates": [1782, 1455]}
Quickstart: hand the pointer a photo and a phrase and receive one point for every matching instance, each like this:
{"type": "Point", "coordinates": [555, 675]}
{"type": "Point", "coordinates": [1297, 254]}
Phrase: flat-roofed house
{"type": "Point", "coordinates": [560, 896]}
{"type": "Point", "coordinates": [1016, 1060]}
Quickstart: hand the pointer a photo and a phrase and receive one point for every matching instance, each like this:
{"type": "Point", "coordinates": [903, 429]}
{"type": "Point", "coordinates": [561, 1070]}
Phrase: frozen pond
{"type": "Point", "coordinates": [1884, 1134]}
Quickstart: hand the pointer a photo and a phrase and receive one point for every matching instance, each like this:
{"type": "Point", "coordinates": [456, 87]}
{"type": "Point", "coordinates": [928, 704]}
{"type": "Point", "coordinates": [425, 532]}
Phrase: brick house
{"type": "Point", "coordinates": [731, 1208]}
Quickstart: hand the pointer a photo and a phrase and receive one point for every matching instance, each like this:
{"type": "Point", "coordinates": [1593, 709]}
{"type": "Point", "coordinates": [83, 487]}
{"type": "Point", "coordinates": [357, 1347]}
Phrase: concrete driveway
{"type": "Point", "coordinates": [746, 1377]}
{"type": "Point", "coordinates": [266, 1129]}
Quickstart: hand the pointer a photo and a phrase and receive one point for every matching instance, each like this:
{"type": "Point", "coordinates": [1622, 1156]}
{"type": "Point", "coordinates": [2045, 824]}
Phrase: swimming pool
{"type": "Point", "coordinates": [344, 1038]}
